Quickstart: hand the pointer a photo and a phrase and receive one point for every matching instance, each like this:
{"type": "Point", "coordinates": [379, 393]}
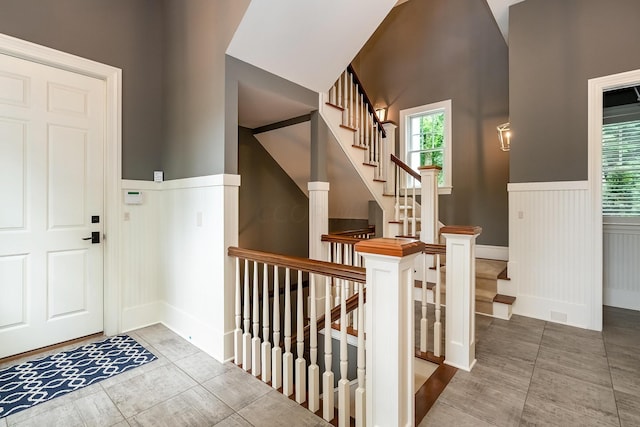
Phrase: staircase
{"type": "Point", "coordinates": [494, 296]}
{"type": "Point", "coordinates": [369, 145]}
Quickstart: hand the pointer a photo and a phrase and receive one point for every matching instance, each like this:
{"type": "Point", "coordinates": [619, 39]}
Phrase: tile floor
{"type": "Point", "coordinates": [529, 372]}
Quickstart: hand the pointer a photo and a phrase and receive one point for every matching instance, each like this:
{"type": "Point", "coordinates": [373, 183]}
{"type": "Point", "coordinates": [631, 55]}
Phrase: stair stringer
{"type": "Point", "coordinates": [345, 137]}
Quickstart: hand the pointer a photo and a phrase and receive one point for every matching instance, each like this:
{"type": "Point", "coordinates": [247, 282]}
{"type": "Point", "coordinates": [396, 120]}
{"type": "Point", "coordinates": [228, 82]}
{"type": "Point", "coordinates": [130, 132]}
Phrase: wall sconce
{"type": "Point", "coordinates": [504, 136]}
{"type": "Point", "coordinates": [381, 113]}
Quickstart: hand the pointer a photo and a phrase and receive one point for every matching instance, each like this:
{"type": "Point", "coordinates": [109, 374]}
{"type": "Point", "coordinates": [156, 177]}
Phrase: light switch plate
{"type": "Point", "coordinates": [158, 176]}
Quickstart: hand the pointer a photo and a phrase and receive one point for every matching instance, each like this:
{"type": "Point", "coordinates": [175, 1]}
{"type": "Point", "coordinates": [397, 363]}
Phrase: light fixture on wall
{"type": "Point", "coordinates": [381, 112]}
{"type": "Point", "coordinates": [504, 136]}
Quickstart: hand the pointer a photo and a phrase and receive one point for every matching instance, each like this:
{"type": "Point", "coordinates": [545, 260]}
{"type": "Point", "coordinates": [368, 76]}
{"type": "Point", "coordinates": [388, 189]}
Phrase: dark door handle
{"type": "Point", "coordinates": [95, 237]}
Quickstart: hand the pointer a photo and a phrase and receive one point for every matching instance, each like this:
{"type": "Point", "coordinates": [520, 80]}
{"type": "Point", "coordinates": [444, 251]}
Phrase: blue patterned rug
{"type": "Point", "coordinates": [30, 383]}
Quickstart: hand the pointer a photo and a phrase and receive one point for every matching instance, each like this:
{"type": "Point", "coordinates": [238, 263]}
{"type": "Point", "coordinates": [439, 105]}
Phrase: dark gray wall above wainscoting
{"type": "Point", "coordinates": [555, 47]}
{"type": "Point", "coordinates": [274, 212]}
{"type": "Point", "coordinates": [427, 51]}
{"type": "Point", "coordinates": [122, 33]}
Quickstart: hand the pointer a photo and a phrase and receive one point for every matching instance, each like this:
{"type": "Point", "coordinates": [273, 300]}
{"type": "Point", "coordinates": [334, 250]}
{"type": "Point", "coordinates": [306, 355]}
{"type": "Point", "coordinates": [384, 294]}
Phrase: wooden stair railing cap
{"type": "Point", "coordinates": [397, 247]}
{"type": "Point", "coordinates": [339, 271]}
{"type": "Point", "coordinates": [461, 229]}
{"type": "Point", "coordinates": [427, 167]}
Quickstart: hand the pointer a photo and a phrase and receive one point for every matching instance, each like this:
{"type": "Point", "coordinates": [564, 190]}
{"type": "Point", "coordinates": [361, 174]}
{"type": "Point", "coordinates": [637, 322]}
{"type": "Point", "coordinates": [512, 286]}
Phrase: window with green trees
{"type": "Point", "coordinates": [426, 139]}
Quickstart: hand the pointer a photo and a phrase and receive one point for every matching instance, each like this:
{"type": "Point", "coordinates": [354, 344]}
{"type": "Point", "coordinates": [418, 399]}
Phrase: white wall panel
{"type": "Point", "coordinates": [13, 290]}
{"type": "Point", "coordinates": [13, 140]}
{"type": "Point", "coordinates": [66, 283]}
{"type": "Point", "coordinates": [550, 227]}
{"type": "Point", "coordinates": [67, 198]}
{"type": "Point", "coordinates": [621, 250]}
{"type": "Point", "coordinates": [14, 89]}
{"type": "Point", "coordinates": [67, 100]}
{"type": "Point", "coordinates": [142, 239]}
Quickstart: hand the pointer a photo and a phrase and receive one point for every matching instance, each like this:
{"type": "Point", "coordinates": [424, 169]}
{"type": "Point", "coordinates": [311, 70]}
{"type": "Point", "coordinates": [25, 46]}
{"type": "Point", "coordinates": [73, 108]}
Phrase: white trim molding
{"type": "Point", "coordinates": [596, 87]}
{"type": "Point", "coordinates": [446, 107]}
{"type": "Point", "coordinates": [113, 156]}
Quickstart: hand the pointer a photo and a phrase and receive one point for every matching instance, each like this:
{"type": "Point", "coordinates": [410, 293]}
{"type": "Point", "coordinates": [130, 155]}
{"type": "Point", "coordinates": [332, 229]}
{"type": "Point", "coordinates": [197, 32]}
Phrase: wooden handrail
{"type": "Point", "coordinates": [333, 238]}
{"type": "Point", "coordinates": [369, 230]}
{"type": "Point", "coordinates": [338, 271]}
{"type": "Point", "coordinates": [405, 167]}
{"type": "Point", "coordinates": [434, 249]}
{"type": "Point", "coordinates": [352, 304]}
{"type": "Point", "coordinates": [367, 101]}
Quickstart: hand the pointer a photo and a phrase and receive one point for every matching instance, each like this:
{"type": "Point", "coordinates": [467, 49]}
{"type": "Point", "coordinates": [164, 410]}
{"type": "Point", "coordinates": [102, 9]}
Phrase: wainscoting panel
{"type": "Point", "coordinates": [621, 247]}
{"type": "Point", "coordinates": [141, 255]}
{"type": "Point", "coordinates": [550, 239]}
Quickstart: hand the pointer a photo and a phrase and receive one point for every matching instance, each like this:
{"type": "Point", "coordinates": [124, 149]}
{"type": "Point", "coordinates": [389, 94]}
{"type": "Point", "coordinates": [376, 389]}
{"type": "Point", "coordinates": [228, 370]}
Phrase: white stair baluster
{"type": "Point", "coordinates": [255, 342]}
{"type": "Point", "coordinates": [314, 370]}
{"type": "Point", "coordinates": [237, 333]}
{"type": "Point", "coordinates": [246, 337]}
{"type": "Point", "coordinates": [424, 323]}
{"type": "Point", "coordinates": [437, 326]}
{"type": "Point", "coordinates": [287, 359]}
{"type": "Point", "coordinates": [397, 185]}
{"type": "Point", "coordinates": [276, 353]}
{"type": "Point", "coordinates": [301, 364]}
{"type": "Point", "coordinates": [405, 222]}
{"type": "Point", "coordinates": [344, 398]}
{"type": "Point", "coordinates": [414, 229]}
{"type": "Point", "coordinates": [327, 377]}
{"type": "Point", "coordinates": [266, 344]}
{"type": "Point", "coordinates": [360, 396]}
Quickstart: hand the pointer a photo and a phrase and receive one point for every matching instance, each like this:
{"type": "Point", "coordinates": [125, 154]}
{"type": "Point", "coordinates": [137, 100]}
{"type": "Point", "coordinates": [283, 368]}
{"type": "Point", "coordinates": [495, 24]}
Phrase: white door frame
{"type": "Point", "coordinates": [596, 88]}
{"type": "Point", "coordinates": [112, 156]}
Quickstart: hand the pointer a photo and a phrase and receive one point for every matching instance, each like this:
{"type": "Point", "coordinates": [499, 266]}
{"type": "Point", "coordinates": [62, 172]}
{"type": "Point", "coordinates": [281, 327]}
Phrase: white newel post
{"type": "Point", "coordinates": [389, 148]}
{"type": "Point", "coordinates": [429, 203]}
{"type": "Point", "coordinates": [460, 340]}
{"type": "Point", "coordinates": [318, 225]}
{"type": "Point", "coordinates": [389, 327]}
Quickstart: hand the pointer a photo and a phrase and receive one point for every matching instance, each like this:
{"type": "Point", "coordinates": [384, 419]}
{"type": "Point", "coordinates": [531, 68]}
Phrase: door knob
{"type": "Point", "coordinates": [95, 237]}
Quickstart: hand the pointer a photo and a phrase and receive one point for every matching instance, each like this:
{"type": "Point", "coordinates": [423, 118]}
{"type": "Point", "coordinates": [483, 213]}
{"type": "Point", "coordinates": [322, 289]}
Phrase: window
{"type": "Point", "coordinates": [425, 135]}
{"type": "Point", "coordinates": [621, 162]}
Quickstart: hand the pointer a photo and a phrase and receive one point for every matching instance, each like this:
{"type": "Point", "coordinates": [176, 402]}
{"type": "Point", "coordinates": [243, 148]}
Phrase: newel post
{"type": "Point", "coordinates": [429, 203]}
{"type": "Point", "coordinates": [389, 330]}
{"type": "Point", "coordinates": [460, 344]}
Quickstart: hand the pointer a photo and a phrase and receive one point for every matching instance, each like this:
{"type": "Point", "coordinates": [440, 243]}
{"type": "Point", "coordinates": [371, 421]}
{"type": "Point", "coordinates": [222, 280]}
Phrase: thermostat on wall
{"type": "Point", "coordinates": [132, 197]}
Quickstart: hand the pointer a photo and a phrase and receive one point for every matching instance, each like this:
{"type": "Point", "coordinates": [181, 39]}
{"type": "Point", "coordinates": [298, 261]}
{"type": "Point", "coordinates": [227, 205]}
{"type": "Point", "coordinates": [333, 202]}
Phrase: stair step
{"type": "Point", "coordinates": [330, 104]}
{"type": "Point", "coordinates": [360, 147]}
{"type": "Point", "coordinates": [504, 299]}
{"type": "Point", "coordinates": [348, 128]}
{"type": "Point", "coordinates": [373, 165]}
{"type": "Point", "coordinates": [379, 180]}
{"type": "Point", "coordinates": [503, 275]}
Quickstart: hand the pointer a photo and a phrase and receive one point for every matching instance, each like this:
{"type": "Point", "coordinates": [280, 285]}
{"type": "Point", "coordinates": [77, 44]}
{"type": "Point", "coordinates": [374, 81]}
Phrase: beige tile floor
{"type": "Point", "coordinates": [529, 372]}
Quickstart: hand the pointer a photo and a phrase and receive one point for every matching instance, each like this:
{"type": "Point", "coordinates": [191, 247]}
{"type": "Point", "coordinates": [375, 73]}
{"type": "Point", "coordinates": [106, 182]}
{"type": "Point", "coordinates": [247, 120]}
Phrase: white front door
{"type": "Point", "coordinates": [52, 133]}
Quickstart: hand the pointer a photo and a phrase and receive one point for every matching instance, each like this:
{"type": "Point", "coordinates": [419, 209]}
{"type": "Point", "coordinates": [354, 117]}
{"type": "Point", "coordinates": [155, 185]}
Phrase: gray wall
{"type": "Point", "coordinates": [127, 34]}
{"type": "Point", "coordinates": [431, 50]}
{"type": "Point", "coordinates": [197, 35]}
{"type": "Point", "coordinates": [274, 212]}
{"type": "Point", "coordinates": [554, 48]}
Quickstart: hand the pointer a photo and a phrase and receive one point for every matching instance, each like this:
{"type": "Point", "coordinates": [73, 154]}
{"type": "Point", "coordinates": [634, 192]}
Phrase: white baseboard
{"type": "Point", "coordinates": [142, 315]}
{"type": "Point", "coordinates": [553, 311]}
{"type": "Point", "coordinates": [500, 253]}
{"type": "Point", "coordinates": [202, 335]}
{"type": "Point", "coordinates": [622, 299]}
